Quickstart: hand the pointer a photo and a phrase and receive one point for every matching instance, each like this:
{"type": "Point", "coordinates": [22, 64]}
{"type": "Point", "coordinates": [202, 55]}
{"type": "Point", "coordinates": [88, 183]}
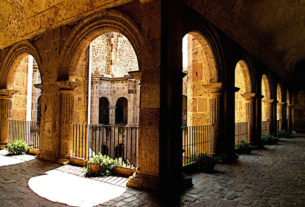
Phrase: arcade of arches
{"type": "Point", "coordinates": [124, 64]}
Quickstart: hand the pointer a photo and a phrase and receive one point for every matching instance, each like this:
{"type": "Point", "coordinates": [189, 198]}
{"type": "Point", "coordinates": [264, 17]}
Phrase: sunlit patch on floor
{"type": "Point", "coordinates": [73, 190]}
{"type": "Point", "coordinates": [6, 159]}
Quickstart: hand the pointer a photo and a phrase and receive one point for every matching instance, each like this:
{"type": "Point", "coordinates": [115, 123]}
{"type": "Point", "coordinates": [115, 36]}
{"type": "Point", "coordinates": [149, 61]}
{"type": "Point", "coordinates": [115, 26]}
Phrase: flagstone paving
{"type": "Point", "coordinates": [274, 176]}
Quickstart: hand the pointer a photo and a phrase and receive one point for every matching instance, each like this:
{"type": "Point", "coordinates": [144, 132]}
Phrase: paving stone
{"type": "Point", "coordinates": [271, 177]}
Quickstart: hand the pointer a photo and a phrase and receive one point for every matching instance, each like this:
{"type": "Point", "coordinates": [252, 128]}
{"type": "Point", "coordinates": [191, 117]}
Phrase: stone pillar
{"type": "Point", "coordinates": [280, 114]}
{"type": "Point", "coordinates": [289, 116]}
{"type": "Point", "coordinates": [112, 115]}
{"type": "Point", "coordinates": [94, 113]}
{"type": "Point", "coordinates": [268, 105]}
{"type": "Point", "coordinates": [284, 115]}
{"type": "Point", "coordinates": [5, 114]}
{"type": "Point", "coordinates": [249, 99]}
{"type": "Point", "coordinates": [216, 95]}
{"type": "Point", "coordinates": [66, 117]}
{"type": "Point", "coordinates": [49, 126]}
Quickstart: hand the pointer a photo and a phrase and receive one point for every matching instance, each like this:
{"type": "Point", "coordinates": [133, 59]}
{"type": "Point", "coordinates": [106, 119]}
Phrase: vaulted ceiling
{"type": "Point", "coordinates": [273, 30]}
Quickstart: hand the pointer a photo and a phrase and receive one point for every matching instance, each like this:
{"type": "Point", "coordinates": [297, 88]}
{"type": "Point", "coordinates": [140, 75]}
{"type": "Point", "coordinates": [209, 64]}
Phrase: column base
{"type": "Point", "coordinates": [142, 181]}
{"type": "Point", "coordinates": [63, 161]}
{"type": "Point", "coordinates": [2, 146]}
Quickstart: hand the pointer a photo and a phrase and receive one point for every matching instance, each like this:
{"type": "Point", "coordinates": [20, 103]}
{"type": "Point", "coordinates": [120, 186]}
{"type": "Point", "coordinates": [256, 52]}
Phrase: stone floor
{"type": "Point", "coordinates": [271, 177]}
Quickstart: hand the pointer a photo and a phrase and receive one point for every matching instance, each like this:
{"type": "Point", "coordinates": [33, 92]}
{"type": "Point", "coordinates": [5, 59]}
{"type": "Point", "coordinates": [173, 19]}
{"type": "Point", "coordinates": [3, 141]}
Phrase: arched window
{"type": "Point", "coordinates": [121, 111]}
{"type": "Point", "coordinates": [39, 109]}
{"type": "Point", "coordinates": [103, 111]}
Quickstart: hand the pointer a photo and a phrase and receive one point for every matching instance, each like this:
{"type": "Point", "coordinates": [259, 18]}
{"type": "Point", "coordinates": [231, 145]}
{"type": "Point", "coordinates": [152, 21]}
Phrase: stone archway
{"type": "Point", "coordinates": [243, 102]}
{"type": "Point", "coordinates": [72, 76]}
{"type": "Point", "coordinates": [199, 83]}
{"type": "Point", "coordinates": [279, 107]}
{"type": "Point", "coordinates": [266, 105]}
{"type": "Point", "coordinates": [22, 108]}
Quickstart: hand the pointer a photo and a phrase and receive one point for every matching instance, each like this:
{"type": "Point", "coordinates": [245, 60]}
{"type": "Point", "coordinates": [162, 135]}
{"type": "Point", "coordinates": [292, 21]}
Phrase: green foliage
{"type": "Point", "coordinates": [284, 134]}
{"type": "Point", "coordinates": [268, 139]}
{"type": "Point", "coordinates": [205, 163]}
{"type": "Point", "coordinates": [226, 158]}
{"type": "Point", "coordinates": [243, 147]}
{"type": "Point", "coordinates": [107, 164]}
{"type": "Point", "coordinates": [17, 147]}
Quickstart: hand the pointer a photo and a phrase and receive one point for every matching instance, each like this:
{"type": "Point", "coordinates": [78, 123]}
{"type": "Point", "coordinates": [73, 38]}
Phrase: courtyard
{"type": "Point", "coordinates": [274, 176]}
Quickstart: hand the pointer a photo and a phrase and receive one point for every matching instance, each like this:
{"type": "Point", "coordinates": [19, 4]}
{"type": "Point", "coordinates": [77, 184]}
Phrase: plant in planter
{"type": "Point", "coordinates": [102, 165]}
{"type": "Point", "coordinates": [243, 148]}
{"type": "Point", "coordinates": [94, 165]}
{"type": "Point", "coordinates": [226, 158]}
{"type": "Point", "coordinates": [17, 147]}
{"type": "Point", "coordinates": [205, 163]}
{"type": "Point", "coordinates": [284, 134]}
{"type": "Point", "coordinates": [268, 139]}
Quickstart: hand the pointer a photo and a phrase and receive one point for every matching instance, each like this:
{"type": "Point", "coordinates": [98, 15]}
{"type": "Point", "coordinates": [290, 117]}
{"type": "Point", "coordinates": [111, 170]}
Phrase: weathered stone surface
{"type": "Point", "coordinates": [274, 176]}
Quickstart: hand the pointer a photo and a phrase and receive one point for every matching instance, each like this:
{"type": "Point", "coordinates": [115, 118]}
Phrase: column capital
{"type": "Point", "coordinates": [7, 93]}
{"type": "Point", "coordinates": [135, 74]}
{"type": "Point", "coordinates": [216, 90]}
{"type": "Point", "coordinates": [67, 85]}
{"type": "Point", "coordinates": [281, 103]}
{"type": "Point", "coordinates": [268, 101]}
{"type": "Point", "coordinates": [249, 97]}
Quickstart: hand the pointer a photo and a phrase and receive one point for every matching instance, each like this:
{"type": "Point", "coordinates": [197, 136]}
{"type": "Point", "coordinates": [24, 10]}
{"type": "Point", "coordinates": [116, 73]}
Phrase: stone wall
{"type": "Point", "coordinates": [299, 112]}
{"type": "Point", "coordinates": [195, 84]}
{"type": "Point", "coordinates": [20, 84]}
{"type": "Point", "coordinates": [113, 89]}
{"type": "Point", "coordinates": [112, 57]}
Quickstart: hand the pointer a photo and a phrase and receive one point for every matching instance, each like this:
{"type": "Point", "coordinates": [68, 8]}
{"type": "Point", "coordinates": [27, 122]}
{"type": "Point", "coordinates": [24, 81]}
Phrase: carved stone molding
{"type": "Point", "coordinates": [7, 93]}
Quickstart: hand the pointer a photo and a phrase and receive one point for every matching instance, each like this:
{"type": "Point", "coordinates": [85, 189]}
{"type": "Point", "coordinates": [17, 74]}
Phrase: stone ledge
{"type": "Point", "coordinates": [141, 181]}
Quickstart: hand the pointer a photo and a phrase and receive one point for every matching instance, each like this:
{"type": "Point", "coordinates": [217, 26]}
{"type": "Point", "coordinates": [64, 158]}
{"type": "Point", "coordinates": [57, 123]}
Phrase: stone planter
{"type": "Point", "coordinates": [34, 151]}
{"type": "Point", "coordinates": [95, 168]}
{"type": "Point", "coordinates": [77, 161]}
{"type": "Point", "coordinates": [123, 171]}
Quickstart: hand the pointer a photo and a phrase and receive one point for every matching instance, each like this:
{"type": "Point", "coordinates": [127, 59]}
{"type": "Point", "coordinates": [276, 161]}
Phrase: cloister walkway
{"type": "Point", "coordinates": [271, 177]}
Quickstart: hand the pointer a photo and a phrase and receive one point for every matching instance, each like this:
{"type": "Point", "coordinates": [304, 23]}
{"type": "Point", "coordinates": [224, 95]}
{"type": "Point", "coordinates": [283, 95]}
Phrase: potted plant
{"type": "Point", "coordinates": [94, 165]}
{"type": "Point", "coordinates": [17, 147]}
{"type": "Point", "coordinates": [102, 165]}
{"type": "Point", "coordinates": [268, 139]}
{"type": "Point", "coordinates": [205, 163]}
{"type": "Point", "coordinates": [243, 148]}
{"type": "Point", "coordinates": [284, 134]}
{"type": "Point", "coordinates": [226, 157]}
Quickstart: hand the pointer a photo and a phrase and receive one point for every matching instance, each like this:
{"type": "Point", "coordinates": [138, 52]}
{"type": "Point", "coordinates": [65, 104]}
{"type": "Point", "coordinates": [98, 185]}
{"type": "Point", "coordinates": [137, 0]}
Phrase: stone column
{"type": "Point", "coordinates": [5, 114]}
{"type": "Point", "coordinates": [249, 99]}
{"type": "Point", "coordinates": [94, 113]}
{"type": "Point", "coordinates": [284, 115]}
{"type": "Point", "coordinates": [49, 125]}
{"type": "Point", "coordinates": [280, 113]}
{"type": "Point", "coordinates": [268, 105]}
{"type": "Point", "coordinates": [289, 116]}
{"type": "Point", "coordinates": [112, 115]}
{"type": "Point", "coordinates": [66, 117]}
{"type": "Point", "coordinates": [216, 95]}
